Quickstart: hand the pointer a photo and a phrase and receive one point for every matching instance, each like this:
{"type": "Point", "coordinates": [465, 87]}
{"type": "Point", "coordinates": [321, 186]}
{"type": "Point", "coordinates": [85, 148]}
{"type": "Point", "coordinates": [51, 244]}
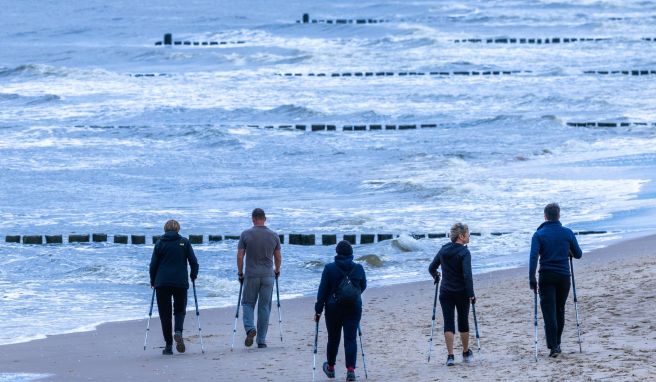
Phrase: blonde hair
{"type": "Point", "coordinates": [172, 225]}
{"type": "Point", "coordinates": [457, 230]}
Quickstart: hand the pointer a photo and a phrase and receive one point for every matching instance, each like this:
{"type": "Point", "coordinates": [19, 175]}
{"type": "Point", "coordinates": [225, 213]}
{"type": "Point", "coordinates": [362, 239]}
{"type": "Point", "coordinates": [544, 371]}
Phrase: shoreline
{"type": "Point", "coordinates": [396, 326]}
{"type": "Point", "coordinates": [625, 236]}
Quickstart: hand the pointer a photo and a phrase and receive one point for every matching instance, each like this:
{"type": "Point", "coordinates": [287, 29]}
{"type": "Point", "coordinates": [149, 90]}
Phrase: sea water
{"type": "Point", "coordinates": [89, 144]}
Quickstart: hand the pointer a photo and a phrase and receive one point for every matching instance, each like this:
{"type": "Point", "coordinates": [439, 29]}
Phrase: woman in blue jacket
{"type": "Point", "coordinates": [340, 314]}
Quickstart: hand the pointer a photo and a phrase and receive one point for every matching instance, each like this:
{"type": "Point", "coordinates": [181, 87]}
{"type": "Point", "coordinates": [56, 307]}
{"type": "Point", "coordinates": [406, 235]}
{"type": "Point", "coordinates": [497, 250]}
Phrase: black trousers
{"type": "Point", "coordinates": [554, 289]}
{"type": "Point", "coordinates": [336, 320]}
{"type": "Point", "coordinates": [450, 303]}
{"type": "Point", "coordinates": [164, 295]}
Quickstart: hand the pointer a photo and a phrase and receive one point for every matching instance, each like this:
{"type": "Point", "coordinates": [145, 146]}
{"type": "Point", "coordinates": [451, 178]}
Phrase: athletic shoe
{"type": "Point", "coordinates": [468, 356]}
{"type": "Point", "coordinates": [168, 349]}
{"type": "Point", "coordinates": [554, 353]}
{"type": "Point", "coordinates": [179, 342]}
{"type": "Point", "coordinates": [350, 375]}
{"type": "Point", "coordinates": [450, 360]}
{"type": "Point", "coordinates": [261, 346]}
{"type": "Point", "coordinates": [330, 371]}
{"type": "Point", "coordinates": [558, 349]}
{"type": "Point", "coordinates": [248, 342]}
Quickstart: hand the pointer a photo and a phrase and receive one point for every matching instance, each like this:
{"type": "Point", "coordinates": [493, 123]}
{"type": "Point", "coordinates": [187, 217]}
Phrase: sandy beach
{"type": "Point", "coordinates": [616, 287]}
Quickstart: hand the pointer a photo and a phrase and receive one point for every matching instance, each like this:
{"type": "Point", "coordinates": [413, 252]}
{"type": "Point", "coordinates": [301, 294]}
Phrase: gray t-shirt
{"type": "Point", "coordinates": [259, 242]}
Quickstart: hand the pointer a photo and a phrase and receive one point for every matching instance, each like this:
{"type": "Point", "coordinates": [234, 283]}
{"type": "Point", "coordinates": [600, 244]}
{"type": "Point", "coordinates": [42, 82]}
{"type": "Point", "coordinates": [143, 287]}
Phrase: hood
{"type": "Point", "coordinates": [170, 236]}
{"type": "Point", "coordinates": [344, 262]}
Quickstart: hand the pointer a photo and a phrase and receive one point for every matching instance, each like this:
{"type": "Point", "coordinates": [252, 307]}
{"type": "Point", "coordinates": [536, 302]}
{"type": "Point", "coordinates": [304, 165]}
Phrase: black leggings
{"type": "Point", "coordinates": [554, 289]}
{"type": "Point", "coordinates": [450, 302]}
{"type": "Point", "coordinates": [164, 295]}
{"type": "Point", "coordinates": [348, 320]}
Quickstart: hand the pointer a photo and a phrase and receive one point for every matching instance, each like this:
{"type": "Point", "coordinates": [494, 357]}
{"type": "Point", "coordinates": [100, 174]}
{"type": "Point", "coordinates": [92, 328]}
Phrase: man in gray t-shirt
{"type": "Point", "coordinates": [261, 247]}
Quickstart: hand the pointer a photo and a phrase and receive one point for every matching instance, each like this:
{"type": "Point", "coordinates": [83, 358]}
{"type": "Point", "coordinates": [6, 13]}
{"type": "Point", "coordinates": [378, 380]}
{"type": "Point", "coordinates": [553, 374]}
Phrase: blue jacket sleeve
{"type": "Point", "coordinates": [154, 265]}
{"type": "Point", "coordinates": [574, 248]}
{"type": "Point", "coordinates": [467, 273]}
{"type": "Point", "coordinates": [193, 262]}
{"type": "Point", "coordinates": [533, 261]}
{"type": "Point", "coordinates": [323, 292]}
{"type": "Point", "coordinates": [364, 278]}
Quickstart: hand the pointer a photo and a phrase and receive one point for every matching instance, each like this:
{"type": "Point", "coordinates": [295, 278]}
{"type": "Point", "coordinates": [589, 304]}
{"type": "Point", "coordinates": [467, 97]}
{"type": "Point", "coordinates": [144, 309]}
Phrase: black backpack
{"type": "Point", "coordinates": [347, 294]}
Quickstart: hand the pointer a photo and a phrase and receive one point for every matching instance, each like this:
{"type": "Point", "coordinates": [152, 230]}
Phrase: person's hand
{"type": "Point", "coordinates": [241, 278]}
{"type": "Point", "coordinates": [277, 273]}
{"type": "Point", "coordinates": [317, 317]}
{"type": "Point", "coordinates": [534, 285]}
{"type": "Point", "coordinates": [472, 300]}
{"type": "Point", "coordinates": [436, 279]}
{"type": "Point", "coordinates": [193, 278]}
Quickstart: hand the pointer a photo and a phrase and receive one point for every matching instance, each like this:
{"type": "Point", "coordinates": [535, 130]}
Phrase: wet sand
{"type": "Point", "coordinates": [616, 287]}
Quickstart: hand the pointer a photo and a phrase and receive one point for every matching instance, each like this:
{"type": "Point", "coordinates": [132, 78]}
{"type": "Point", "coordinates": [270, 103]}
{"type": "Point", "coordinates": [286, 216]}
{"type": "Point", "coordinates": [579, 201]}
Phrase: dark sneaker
{"type": "Point", "coordinates": [179, 342]}
{"type": "Point", "coordinates": [468, 356]}
{"type": "Point", "coordinates": [350, 375]}
{"type": "Point", "coordinates": [248, 342]}
{"type": "Point", "coordinates": [558, 349]}
{"type": "Point", "coordinates": [450, 360]}
{"type": "Point", "coordinates": [168, 349]}
{"type": "Point", "coordinates": [261, 346]}
{"type": "Point", "coordinates": [554, 353]}
{"type": "Point", "coordinates": [330, 371]}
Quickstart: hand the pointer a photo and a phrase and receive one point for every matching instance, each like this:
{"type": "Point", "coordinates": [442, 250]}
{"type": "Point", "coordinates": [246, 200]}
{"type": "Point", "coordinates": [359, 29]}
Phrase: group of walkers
{"type": "Point", "coordinates": [259, 262]}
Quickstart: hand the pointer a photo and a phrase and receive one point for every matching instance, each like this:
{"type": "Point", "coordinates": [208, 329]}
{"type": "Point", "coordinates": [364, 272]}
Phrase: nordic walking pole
{"type": "Point", "coordinates": [478, 337]}
{"type": "Point", "coordinates": [364, 364]}
{"type": "Point", "coordinates": [202, 347]}
{"type": "Point", "coordinates": [279, 315]}
{"type": "Point", "coordinates": [576, 305]}
{"type": "Point", "coordinates": [535, 320]}
{"type": "Point", "coordinates": [314, 357]}
{"type": "Point", "coordinates": [430, 342]}
{"type": "Point", "coordinates": [234, 329]}
{"type": "Point", "coordinates": [150, 314]}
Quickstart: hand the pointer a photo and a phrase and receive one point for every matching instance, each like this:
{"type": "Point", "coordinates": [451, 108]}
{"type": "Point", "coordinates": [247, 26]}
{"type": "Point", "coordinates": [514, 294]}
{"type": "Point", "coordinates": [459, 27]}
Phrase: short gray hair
{"type": "Point", "coordinates": [552, 211]}
{"type": "Point", "coordinates": [457, 230]}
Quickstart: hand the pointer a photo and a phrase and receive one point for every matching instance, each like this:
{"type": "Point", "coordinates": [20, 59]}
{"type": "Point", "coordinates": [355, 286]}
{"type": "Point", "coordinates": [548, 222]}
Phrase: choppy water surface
{"type": "Point", "coordinates": [87, 146]}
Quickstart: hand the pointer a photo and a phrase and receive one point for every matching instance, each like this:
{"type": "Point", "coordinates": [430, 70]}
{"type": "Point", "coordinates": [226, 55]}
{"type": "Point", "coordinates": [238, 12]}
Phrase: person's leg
{"type": "Point", "coordinates": [248, 301]}
{"type": "Point", "coordinates": [179, 307]}
{"type": "Point", "coordinates": [548, 306]}
{"type": "Point", "coordinates": [164, 309]}
{"type": "Point", "coordinates": [264, 308]}
{"type": "Point", "coordinates": [334, 327]}
{"type": "Point", "coordinates": [448, 311]}
{"type": "Point", "coordinates": [562, 291]}
{"type": "Point", "coordinates": [462, 306]}
{"type": "Point", "coordinates": [351, 323]}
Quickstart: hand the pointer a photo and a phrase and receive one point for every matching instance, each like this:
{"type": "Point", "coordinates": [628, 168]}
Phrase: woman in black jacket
{"type": "Point", "coordinates": [456, 289]}
{"type": "Point", "coordinates": [168, 275]}
{"type": "Point", "coordinates": [342, 311]}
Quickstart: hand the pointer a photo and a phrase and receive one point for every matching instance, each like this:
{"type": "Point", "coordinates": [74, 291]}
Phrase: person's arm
{"type": "Point", "coordinates": [154, 265]}
{"type": "Point", "coordinates": [277, 258]}
{"type": "Point", "coordinates": [533, 261]}
{"type": "Point", "coordinates": [364, 279]}
{"type": "Point", "coordinates": [241, 252]}
{"type": "Point", "coordinates": [574, 248]}
{"type": "Point", "coordinates": [467, 275]}
{"type": "Point", "coordinates": [432, 268]}
{"type": "Point", "coordinates": [193, 262]}
{"type": "Point", "coordinates": [322, 293]}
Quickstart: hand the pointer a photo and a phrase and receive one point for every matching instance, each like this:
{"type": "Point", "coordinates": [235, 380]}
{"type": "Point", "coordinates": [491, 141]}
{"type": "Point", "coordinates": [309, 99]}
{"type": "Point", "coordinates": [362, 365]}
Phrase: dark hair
{"type": "Point", "coordinates": [172, 225]}
{"type": "Point", "coordinates": [258, 213]}
{"type": "Point", "coordinates": [552, 211]}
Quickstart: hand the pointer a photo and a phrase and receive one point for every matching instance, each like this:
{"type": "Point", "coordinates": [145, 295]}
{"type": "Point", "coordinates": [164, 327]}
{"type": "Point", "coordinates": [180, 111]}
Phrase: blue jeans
{"type": "Point", "coordinates": [257, 290]}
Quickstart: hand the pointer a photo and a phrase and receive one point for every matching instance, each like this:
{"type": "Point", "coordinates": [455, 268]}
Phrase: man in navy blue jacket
{"type": "Point", "coordinates": [553, 244]}
{"type": "Point", "coordinates": [168, 275]}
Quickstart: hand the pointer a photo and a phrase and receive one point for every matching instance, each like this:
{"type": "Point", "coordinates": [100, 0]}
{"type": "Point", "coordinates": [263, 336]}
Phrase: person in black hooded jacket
{"type": "Point", "coordinates": [339, 316]}
{"type": "Point", "coordinates": [168, 275]}
{"type": "Point", "coordinates": [456, 289]}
